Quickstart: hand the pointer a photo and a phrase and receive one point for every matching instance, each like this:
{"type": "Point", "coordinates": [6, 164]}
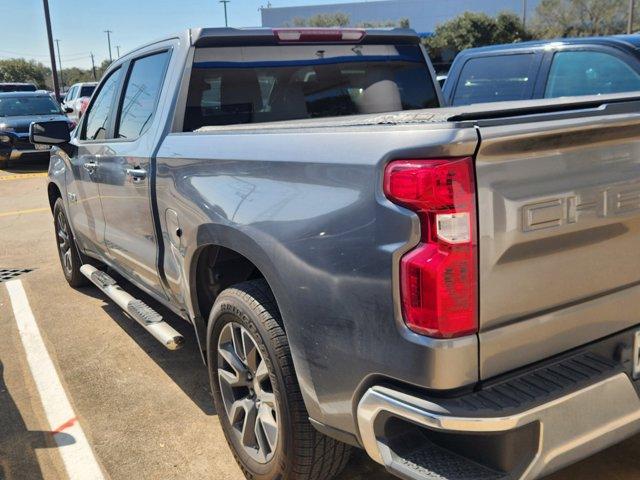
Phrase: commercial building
{"type": "Point", "coordinates": [423, 15]}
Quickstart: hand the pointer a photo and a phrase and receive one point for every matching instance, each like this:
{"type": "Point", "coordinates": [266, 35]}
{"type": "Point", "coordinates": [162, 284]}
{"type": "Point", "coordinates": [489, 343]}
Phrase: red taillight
{"type": "Point", "coordinates": [438, 279]}
{"type": "Point", "coordinates": [296, 35]}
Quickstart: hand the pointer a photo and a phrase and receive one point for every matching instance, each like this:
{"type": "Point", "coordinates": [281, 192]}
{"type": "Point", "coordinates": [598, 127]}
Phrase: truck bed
{"type": "Point", "coordinates": [556, 271]}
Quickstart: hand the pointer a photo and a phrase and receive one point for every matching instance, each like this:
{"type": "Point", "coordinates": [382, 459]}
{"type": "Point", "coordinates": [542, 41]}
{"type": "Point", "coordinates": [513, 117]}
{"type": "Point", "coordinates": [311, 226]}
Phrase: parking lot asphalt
{"type": "Point", "coordinates": [145, 411]}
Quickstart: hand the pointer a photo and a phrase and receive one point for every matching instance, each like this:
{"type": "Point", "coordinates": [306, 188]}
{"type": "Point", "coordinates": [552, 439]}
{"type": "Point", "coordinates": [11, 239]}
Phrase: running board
{"type": "Point", "coordinates": [150, 320]}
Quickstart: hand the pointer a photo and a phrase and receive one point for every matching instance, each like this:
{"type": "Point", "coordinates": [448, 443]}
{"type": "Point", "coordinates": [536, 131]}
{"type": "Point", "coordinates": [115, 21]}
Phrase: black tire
{"type": "Point", "coordinates": [301, 452]}
{"type": "Point", "coordinates": [70, 259]}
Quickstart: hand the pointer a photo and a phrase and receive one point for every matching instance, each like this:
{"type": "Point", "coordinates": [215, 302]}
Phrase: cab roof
{"type": "Point", "coordinates": [213, 37]}
{"type": "Point", "coordinates": [630, 43]}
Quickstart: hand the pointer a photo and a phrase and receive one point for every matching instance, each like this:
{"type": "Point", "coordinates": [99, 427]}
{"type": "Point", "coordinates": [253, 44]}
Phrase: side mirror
{"type": "Point", "coordinates": [68, 110]}
{"type": "Point", "coordinates": [49, 133]}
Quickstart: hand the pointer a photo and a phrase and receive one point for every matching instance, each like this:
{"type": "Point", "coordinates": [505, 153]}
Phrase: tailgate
{"type": "Point", "coordinates": [559, 223]}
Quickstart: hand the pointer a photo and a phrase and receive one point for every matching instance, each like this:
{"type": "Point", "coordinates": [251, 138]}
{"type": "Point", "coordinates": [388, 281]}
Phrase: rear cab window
{"type": "Point", "coordinates": [496, 78]}
{"type": "Point", "coordinates": [255, 84]}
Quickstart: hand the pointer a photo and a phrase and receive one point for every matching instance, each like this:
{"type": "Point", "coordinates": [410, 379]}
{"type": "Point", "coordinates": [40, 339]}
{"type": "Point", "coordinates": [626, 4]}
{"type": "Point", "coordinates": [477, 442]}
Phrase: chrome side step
{"type": "Point", "coordinates": [150, 320]}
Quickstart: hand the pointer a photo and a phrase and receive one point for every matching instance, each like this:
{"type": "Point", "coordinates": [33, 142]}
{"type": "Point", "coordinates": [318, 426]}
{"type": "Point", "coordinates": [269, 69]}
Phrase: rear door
{"type": "Point", "coordinates": [126, 169]}
{"type": "Point", "coordinates": [559, 222]}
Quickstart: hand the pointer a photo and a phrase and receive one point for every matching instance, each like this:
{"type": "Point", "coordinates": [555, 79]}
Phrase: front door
{"type": "Point", "coordinates": [125, 173]}
{"type": "Point", "coordinates": [85, 210]}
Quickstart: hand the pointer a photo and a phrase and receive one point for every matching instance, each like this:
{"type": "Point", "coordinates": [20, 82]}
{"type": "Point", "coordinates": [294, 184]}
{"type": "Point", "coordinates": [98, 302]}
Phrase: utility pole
{"type": "Point", "coordinates": [52, 55]}
{"type": "Point", "coordinates": [60, 64]}
{"type": "Point", "coordinates": [630, 24]}
{"type": "Point", "coordinates": [224, 2]}
{"type": "Point", "coordinates": [93, 67]}
{"type": "Point", "coordinates": [524, 15]}
{"type": "Point", "coordinates": [118, 50]}
{"type": "Point", "coordinates": [109, 32]}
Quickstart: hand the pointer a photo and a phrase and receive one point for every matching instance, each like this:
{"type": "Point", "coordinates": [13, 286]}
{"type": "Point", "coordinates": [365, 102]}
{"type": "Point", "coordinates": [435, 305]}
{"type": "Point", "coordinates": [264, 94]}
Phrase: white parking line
{"type": "Point", "coordinates": [74, 449]}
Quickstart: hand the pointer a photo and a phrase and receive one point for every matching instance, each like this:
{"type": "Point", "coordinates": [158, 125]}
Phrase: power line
{"type": "Point", "coordinates": [41, 55]}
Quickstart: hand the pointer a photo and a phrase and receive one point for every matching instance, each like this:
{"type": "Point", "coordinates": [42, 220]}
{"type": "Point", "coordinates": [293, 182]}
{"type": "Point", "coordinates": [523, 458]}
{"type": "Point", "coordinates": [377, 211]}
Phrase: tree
{"type": "Point", "coordinates": [323, 20]}
{"type": "Point", "coordinates": [576, 18]}
{"type": "Point", "coordinates": [402, 23]}
{"type": "Point", "coordinates": [76, 75]}
{"type": "Point", "coordinates": [472, 30]}
{"type": "Point", "coordinates": [475, 30]}
{"type": "Point", "coordinates": [21, 70]}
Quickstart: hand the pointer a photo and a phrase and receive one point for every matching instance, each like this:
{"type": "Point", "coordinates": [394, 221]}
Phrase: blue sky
{"type": "Point", "coordinates": [79, 24]}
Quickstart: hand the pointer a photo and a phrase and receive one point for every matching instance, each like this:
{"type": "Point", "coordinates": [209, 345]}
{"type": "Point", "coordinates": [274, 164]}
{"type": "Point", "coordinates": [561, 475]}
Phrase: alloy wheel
{"type": "Point", "coordinates": [247, 392]}
{"type": "Point", "coordinates": [64, 242]}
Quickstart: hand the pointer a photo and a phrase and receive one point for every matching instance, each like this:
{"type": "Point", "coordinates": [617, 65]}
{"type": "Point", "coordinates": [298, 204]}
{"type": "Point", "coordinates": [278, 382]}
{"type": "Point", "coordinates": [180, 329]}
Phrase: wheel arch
{"type": "Point", "coordinates": [255, 255]}
{"type": "Point", "coordinates": [53, 193]}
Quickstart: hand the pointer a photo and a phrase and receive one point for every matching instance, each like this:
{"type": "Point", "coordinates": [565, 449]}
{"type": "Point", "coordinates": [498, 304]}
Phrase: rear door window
{"type": "Point", "coordinates": [234, 85]}
{"type": "Point", "coordinates": [585, 72]}
{"type": "Point", "coordinates": [496, 79]}
{"type": "Point", "coordinates": [141, 95]}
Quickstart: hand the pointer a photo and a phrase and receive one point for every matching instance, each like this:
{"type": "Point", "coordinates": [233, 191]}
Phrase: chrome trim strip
{"type": "Point", "coordinates": [572, 427]}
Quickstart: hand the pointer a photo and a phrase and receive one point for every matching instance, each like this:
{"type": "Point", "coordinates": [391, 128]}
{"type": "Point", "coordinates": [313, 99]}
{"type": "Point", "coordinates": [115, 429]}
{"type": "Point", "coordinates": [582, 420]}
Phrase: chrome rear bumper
{"type": "Point", "coordinates": [569, 428]}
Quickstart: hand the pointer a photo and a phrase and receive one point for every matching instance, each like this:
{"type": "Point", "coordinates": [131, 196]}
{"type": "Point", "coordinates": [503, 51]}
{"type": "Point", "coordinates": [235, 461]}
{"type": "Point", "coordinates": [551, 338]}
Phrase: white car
{"type": "Point", "coordinates": [73, 99]}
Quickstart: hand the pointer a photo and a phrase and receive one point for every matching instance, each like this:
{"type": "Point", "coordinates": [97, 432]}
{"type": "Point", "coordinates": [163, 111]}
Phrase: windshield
{"type": "Point", "coordinates": [232, 85]}
{"type": "Point", "coordinates": [17, 87]}
{"type": "Point", "coordinates": [22, 106]}
{"type": "Point", "coordinates": [87, 90]}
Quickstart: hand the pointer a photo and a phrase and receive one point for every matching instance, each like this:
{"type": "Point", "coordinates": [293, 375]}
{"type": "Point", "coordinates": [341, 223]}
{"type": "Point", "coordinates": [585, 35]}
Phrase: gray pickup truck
{"type": "Point", "coordinates": [455, 290]}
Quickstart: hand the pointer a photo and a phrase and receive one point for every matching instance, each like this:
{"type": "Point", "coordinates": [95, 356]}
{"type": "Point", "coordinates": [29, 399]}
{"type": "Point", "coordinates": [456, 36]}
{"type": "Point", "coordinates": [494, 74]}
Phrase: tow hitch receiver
{"type": "Point", "coordinates": [150, 320]}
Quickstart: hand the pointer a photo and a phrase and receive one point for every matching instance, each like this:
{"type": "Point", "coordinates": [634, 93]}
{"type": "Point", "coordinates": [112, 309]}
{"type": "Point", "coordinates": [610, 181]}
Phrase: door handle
{"type": "Point", "coordinates": [90, 167]}
{"type": "Point", "coordinates": [137, 174]}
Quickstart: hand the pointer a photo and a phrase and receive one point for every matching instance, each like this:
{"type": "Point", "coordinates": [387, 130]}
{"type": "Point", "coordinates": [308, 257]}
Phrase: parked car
{"type": "Point", "coordinates": [17, 111]}
{"type": "Point", "coordinates": [545, 69]}
{"type": "Point", "coordinates": [454, 290]}
{"type": "Point", "coordinates": [17, 87]}
{"type": "Point", "coordinates": [74, 97]}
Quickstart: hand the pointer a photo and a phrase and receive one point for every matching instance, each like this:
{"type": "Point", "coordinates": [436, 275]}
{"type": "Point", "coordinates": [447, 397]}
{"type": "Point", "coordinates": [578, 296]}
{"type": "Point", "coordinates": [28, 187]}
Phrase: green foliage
{"type": "Point", "coordinates": [21, 70]}
{"type": "Point", "coordinates": [76, 75]}
{"type": "Point", "coordinates": [402, 23]}
{"type": "Point", "coordinates": [576, 18]}
{"type": "Point", "coordinates": [323, 20]}
{"type": "Point", "coordinates": [476, 29]}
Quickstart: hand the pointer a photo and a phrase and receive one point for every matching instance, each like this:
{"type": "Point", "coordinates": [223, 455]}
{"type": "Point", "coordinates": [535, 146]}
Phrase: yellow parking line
{"type": "Point", "coordinates": [21, 212]}
{"type": "Point", "coordinates": [23, 176]}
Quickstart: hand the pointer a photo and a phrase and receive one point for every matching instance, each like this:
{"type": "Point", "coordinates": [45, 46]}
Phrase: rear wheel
{"type": "Point", "coordinates": [70, 259]}
{"type": "Point", "coordinates": [256, 392]}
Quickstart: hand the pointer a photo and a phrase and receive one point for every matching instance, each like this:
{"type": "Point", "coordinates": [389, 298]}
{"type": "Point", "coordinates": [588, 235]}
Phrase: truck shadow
{"type": "Point", "coordinates": [18, 444]}
{"type": "Point", "coordinates": [184, 366]}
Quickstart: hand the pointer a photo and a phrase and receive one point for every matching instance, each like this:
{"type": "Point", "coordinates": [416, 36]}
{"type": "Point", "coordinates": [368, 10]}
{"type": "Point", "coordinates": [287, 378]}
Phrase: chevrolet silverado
{"type": "Point", "coordinates": [455, 290]}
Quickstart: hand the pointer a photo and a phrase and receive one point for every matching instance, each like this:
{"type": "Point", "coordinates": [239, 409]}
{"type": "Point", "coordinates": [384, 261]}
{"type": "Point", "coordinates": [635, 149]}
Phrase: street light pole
{"type": "Point", "coordinates": [524, 14]}
{"type": "Point", "coordinates": [60, 64]}
{"type": "Point", "coordinates": [224, 2]}
{"type": "Point", "coordinates": [118, 50]}
{"type": "Point", "coordinates": [109, 32]}
{"type": "Point", "coordinates": [630, 24]}
{"type": "Point", "coordinates": [52, 55]}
